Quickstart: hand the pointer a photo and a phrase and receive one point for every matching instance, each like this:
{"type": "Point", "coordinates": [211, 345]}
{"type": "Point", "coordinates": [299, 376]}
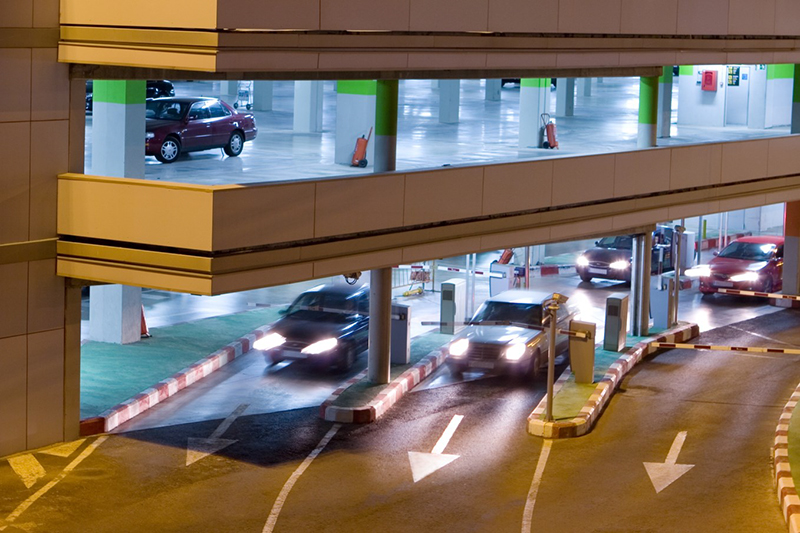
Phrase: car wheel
{"type": "Point", "coordinates": [348, 359]}
{"type": "Point", "coordinates": [235, 144]}
{"type": "Point", "coordinates": [768, 285]}
{"type": "Point", "coordinates": [535, 363]}
{"type": "Point", "coordinates": [586, 277]}
{"type": "Point", "coordinates": [169, 151]}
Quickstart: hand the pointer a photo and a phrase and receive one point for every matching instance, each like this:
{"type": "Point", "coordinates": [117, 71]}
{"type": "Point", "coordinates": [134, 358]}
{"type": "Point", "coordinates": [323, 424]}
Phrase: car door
{"type": "Point", "coordinates": [220, 120]}
{"type": "Point", "coordinates": [197, 132]}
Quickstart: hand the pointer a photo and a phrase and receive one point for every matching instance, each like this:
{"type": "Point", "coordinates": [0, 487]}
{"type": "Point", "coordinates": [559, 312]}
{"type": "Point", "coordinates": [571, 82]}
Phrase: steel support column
{"type": "Point", "coordinates": [380, 325]}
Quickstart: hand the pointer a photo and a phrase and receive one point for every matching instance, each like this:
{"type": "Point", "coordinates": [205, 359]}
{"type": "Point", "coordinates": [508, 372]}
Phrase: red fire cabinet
{"type": "Point", "coordinates": [709, 80]}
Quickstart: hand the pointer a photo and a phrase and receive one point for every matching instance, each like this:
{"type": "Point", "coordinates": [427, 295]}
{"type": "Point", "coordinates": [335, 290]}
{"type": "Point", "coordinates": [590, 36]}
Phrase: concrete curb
{"type": "Point", "coordinates": [386, 398]}
{"type": "Point", "coordinates": [120, 413]}
{"type": "Point", "coordinates": [784, 484]}
{"type": "Point", "coordinates": [583, 423]}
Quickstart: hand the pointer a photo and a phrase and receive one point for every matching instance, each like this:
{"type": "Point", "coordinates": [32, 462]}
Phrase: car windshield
{"type": "Point", "coordinates": [530, 314]}
{"type": "Point", "coordinates": [326, 302]}
{"type": "Point", "coordinates": [752, 251]}
{"type": "Point", "coordinates": [620, 241]}
{"type": "Point", "coordinates": [166, 110]}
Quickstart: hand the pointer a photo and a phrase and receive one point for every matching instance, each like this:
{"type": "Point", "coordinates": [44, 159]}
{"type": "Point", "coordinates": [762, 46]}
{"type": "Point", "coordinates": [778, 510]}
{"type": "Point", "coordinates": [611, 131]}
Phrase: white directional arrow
{"type": "Point", "coordinates": [662, 475]}
{"type": "Point", "coordinates": [424, 464]}
{"type": "Point", "coordinates": [27, 468]}
{"type": "Point", "coordinates": [199, 448]}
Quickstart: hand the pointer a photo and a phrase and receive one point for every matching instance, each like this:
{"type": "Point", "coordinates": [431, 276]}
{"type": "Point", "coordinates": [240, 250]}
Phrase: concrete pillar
{"type": "Point", "coordinates": [493, 90]}
{"type": "Point", "coordinates": [534, 94]}
{"type": "Point", "coordinates": [796, 104]}
{"type": "Point", "coordinates": [449, 100]}
{"type": "Point", "coordinates": [791, 248]}
{"type": "Point", "coordinates": [648, 112]}
{"type": "Point", "coordinates": [228, 90]}
{"type": "Point", "coordinates": [664, 121]}
{"type": "Point", "coordinates": [262, 95]}
{"type": "Point", "coordinates": [565, 97]}
{"type": "Point", "coordinates": [585, 86]}
{"type": "Point", "coordinates": [115, 311]}
{"type": "Point", "coordinates": [386, 125]}
{"type": "Point", "coordinates": [434, 84]}
{"type": "Point", "coordinates": [380, 325]}
{"type": "Point", "coordinates": [355, 115]}
{"type": "Point", "coordinates": [307, 106]}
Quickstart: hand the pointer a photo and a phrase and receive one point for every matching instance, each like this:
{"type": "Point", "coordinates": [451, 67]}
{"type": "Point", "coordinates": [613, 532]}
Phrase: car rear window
{"type": "Point", "coordinates": [166, 110]}
{"type": "Point", "coordinates": [530, 314]}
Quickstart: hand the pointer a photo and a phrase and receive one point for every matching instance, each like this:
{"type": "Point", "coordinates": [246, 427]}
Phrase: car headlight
{"type": "Point", "coordinates": [269, 341]}
{"type": "Point", "coordinates": [459, 347]}
{"type": "Point", "coordinates": [515, 351]}
{"type": "Point", "coordinates": [619, 265]}
{"type": "Point", "coordinates": [747, 276]}
{"type": "Point", "coordinates": [149, 135]}
{"type": "Point", "coordinates": [324, 345]}
{"type": "Point", "coordinates": [700, 271]}
{"type": "Point", "coordinates": [582, 261]}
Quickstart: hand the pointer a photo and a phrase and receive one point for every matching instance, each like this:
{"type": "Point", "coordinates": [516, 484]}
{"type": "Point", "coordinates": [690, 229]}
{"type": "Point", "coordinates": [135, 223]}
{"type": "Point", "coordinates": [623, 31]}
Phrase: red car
{"type": "Point", "coordinates": [749, 264]}
{"type": "Point", "coordinates": [177, 125]}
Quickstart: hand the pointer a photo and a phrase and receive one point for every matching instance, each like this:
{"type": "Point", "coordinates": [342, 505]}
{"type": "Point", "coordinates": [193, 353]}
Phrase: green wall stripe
{"type": "Point", "coordinates": [119, 91]}
{"type": "Point", "coordinates": [686, 70]}
{"type": "Point", "coordinates": [362, 87]}
{"type": "Point", "coordinates": [386, 108]}
{"type": "Point", "coordinates": [775, 72]}
{"type": "Point", "coordinates": [666, 76]}
{"type": "Point", "coordinates": [796, 86]}
{"type": "Point", "coordinates": [648, 100]}
{"type": "Point", "coordinates": [539, 83]}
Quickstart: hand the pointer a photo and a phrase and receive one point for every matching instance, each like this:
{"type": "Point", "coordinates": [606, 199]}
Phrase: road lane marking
{"type": "Point", "coordinates": [197, 449]}
{"type": "Point", "coordinates": [27, 468]}
{"type": "Point", "coordinates": [753, 333]}
{"type": "Point", "coordinates": [64, 450]}
{"type": "Point", "coordinates": [662, 475]}
{"type": "Point", "coordinates": [425, 464]}
{"type": "Point", "coordinates": [21, 508]}
{"type": "Point", "coordinates": [287, 487]}
{"type": "Point", "coordinates": [441, 444]}
{"type": "Point", "coordinates": [527, 514]}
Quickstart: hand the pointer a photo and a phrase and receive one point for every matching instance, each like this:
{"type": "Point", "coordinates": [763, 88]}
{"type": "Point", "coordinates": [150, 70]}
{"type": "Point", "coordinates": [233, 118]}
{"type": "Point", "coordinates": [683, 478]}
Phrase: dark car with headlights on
{"type": "Point", "coordinates": [326, 326]}
{"type": "Point", "coordinates": [177, 125]}
{"type": "Point", "coordinates": [520, 348]}
{"type": "Point", "coordinates": [611, 256]}
{"type": "Point", "coordinates": [746, 264]}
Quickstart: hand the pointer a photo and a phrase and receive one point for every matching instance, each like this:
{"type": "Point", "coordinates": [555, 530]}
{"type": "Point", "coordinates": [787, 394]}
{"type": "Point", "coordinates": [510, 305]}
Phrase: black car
{"type": "Point", "coordinates": [611, 256]}
{"type": "Point", "coordinates": [153, 89]}
{"type": "Point", "coordinates": [326, 326]}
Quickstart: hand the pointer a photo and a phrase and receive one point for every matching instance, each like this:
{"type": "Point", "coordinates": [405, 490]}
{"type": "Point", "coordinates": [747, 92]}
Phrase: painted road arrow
{"type": "Point", "coordinates": [425, 464]}
{"type": "Point", "coordinates": [662, 475]}
{"type": "Point", "coordinates": [197, 449]}
{"type": "Point", "coordinates": [27, 468]}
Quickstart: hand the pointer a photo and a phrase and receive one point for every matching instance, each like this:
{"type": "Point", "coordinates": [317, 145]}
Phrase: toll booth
{"type": "Point", "coordinates": [688, 240]}
{"type": "Point", "coordinates": [616, 330]}
{"type": "Point", "coordinates": [401, 334]}
{"type": "Point", "coordinates": [501, 278]}
{"type": "Point", "coordinates": [453, 306]}
{"type": "Point", "coordinates": [581, 351]}
{"type": "Point", "coordinates": [662, 299]}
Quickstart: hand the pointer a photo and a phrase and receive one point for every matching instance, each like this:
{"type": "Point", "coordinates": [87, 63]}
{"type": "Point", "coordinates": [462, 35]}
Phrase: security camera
{"type": "Point", "coordinates": [559, 298]}
{"type": "Point", "coordinates": [679, 228]}
{"type": "Point", "coordinates": [352, 277]}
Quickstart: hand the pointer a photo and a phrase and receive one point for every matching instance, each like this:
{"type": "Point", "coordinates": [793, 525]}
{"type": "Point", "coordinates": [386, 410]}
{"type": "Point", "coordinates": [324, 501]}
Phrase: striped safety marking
{"type": "Point", "coordinates": [724, 348]}
{"type": "Point", "coordinates": [569, 333]}
{"type": "Point", "coordinates": [760, 294]}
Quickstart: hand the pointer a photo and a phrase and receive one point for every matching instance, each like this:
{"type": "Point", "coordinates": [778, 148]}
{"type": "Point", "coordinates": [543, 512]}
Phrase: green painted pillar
{"type": "Point", "coordinates": [386, 125]}
{"type": "Point", "coordinates": [648, 112]}
{"type": "Point", "coordinates": [355, 115]}
{"type": "Point", "coordinates": [534, 95]}
{"type": "Point", "coordinates": [796, 102]}
{"type": "Point", "coordinates": [665, 102]}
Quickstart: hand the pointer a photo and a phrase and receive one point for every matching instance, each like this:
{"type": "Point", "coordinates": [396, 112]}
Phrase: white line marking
{"type": "Point", "coordinates": [53, 482]}
{"type": "Point", "coordinates": [675, 449]}
{"type": "Point", "coordinates": [223, 427]}
{"type": "Point", "coordinates": [441, 444]}
{"type": "Point", "coordinates": [287, 487]}
{"type": "Point", "coordinates": [28, 468]}
{"type": "Point", "coordinates": [527, 514]}
{"type": "Point", "coordinates": [759, 335]}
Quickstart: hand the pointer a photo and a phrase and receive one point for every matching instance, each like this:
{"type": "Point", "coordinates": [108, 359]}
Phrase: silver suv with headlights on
{"type": "Point", "coordinates": [506, 335]}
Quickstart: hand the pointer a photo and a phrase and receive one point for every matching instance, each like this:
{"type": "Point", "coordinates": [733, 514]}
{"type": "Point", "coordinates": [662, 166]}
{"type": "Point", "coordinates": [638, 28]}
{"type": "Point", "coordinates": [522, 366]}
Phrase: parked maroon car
{"type": "Point", "coordinates": [177, 125]}
{"type": "Point", "coordinates": [748, 263]}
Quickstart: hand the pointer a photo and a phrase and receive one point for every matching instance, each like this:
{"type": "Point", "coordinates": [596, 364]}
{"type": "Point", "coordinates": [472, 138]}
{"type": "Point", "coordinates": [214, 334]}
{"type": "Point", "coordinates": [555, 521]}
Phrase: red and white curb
{"type": "Point", "coordinates": [787, 493]}
{"type": "Point", "coordinates": [121, 413]}
{"type": "Point", "coordinates": [590, 412]}
{"type": "Point", "coordinates": [386, 398]}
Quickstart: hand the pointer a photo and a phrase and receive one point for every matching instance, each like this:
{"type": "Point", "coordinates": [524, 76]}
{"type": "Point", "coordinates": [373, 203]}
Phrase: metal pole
{"type": "Point", "coordinates": [551, 360]}
{"type": "Point", "coordinates": [472, 299]}
{"type": "Point", "coordinates": [677, 271]}
{"type": "Point", "coordinates": [528, 267]}
{"type": "Point", "coordinates": [647, 269]}
{"type": "Point", "coordinates": [636, 294]}
{"type": "Point", "coordinates": [380, 325]}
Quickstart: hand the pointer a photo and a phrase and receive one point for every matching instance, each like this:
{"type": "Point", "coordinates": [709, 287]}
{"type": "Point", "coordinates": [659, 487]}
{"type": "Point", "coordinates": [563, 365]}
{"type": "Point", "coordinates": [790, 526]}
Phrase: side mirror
{"type": "Point", "coordinates": [597, 243]}
{"type": "Point", "coordinates": [283, 311]}
{"type": "Point", "coordinates": [716, 253]}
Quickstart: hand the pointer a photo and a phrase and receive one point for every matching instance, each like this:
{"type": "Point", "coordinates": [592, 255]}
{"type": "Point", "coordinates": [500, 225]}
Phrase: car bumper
{"type": "Point", "coordinates": [498, 366]}
{"type": "Point", "coordinates": [604, 273]}
{"type": "Point", "coordinates": [708, 285]}
{"type": "Point", "coordinates": [280, 354]}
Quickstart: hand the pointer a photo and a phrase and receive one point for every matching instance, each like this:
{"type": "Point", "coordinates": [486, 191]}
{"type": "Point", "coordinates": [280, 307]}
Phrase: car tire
{"type": "Point", "coordinates": [535, 363]}
{"type": "Point", "coordinates": [347, 359]}
{"type": "Point", "coordinates": [170, 150]}
{"type": "Point", "coordinates": [586, 277]}
{"type": "Point", "coordinates": [235, 144]}
{"type": "Point", "coordinates": [768, 284]}
{"type": "Point", "coordinates": [457, 371]}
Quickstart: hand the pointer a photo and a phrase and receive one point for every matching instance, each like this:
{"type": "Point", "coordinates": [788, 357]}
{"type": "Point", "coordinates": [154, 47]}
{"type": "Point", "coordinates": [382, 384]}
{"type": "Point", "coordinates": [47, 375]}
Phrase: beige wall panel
{"type": "Point", "coordinates": [649, 17]}
{"type": "Point", "coordinates": [77, 125]}
{"type": "Point", "coordinates": [783, 196]}
{"type": "Point", "coordinates": [45, 296]}
{"type": "Point", "coordinates": [742, 203]}
{"type": "Point", "coordinates": [135, 212]}
{"type": "Point", "coordinates": [15, 181]}
{"type": "Point", "coordinates": [72, 363]}
{"type": "Point", "coordinates": [750, 58]}
{"type": "Point", "coordinates": [443, 15]}
{"type": "Point", "coordinates": [587, 60]}
{"type": "Point", "coordinates": [365, 15]}
{"type": "Point", "coordinates": [715, 168]}
{"type": "Point", "coordinates": [517, 187]}
{"type": "Point", "coordinates": [135, 57]}
{"type": "Point", "coordinates": [784, 156]}
{"type": "Point", "coordinates": [582, 179]}
{"type": "Point", "coordinates": [787, 56]}
{"type": "Point", "coordinates": [366, 61]}
{"type": "Point", "coordinates": [439, 250]}
{"type": "Point", "coordinates": [787, 17]}
{"type": "Point", "coordinates": [340, 265]}
{"type": "Point", "coordinates": [640, 218]}
{"type": "Point", "coordinates": [641, 172]}
{"type": "Point", "coordinates": [511, 239]}
{"type": "Point", "coordinates": [50, 82]}
{"type": "Point", "coordinates": [257, 215]}
{"type": "Point", "coordinates": [589, 16]}
{"type": "Point", "coordinates": [692, 210]}
{"type": "Point", "coordinates": [45, 388]}
{"type": "Point", "coordinates": [691, 167]}
{"type": "Point", "coordinates": [746, 17]}
{"type": "Point", "coordinates": [707, 17]}
{"type": "Point", "coordinates": [136, 278]}
{"type": "Point", "coordinates": [744, 160]}
{"type": "Point", "coordinates": [577, 230]}
{"type": "Point", "coordinates": [201, 14]}
{"type": "Point", "coordinates": [380, 201]}
{"type": "Point", "coordinates": [264, 277]}
{"type": "Point", "coordinates": [45, 13]}
{"type": "Point", "coordinates": [445, 61]}
{"type": "Point", "coordinates": [272, 15]}
{"type": "Point", "coordinates": [443, 195]}
{"type": "Point", "coordinates": [525, 16]}
{"type": "Point", "coordinates": [520, 60]}
{"type": "Point", "coordinates": [280, 61]}
{"type": "Point", "coordinates": [15, 85]}
{"type": "Point", "coordinates": [627, 59]}
{"type": "Point", "coordinates": [13, 391]}
{"type": "Point", "coordinates": [14, 300]}
{"type": "Point", "coordinates": [16, 14]}
{"type": "Point", "coordinates": [49, 158]}
{"type": "Point", "coordinates": [692, 57]}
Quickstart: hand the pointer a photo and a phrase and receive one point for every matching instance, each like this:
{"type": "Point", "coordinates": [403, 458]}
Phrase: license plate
{"type": "Point", "coordinates": [292, 354]}
{"type": "Point", "coordinates": [481, 364]}
{"type": "Point", "coordinates": [597, 271]}
{"type": "Point", "coordinates": [722, 284]}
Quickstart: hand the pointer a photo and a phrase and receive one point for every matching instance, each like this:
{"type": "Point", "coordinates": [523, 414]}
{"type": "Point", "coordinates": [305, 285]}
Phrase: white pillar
{"type": "Point", "coordinates": [308, 106]}
{"type": "Point", "coordinates": [585, 86]}
{"type": "Point", "coordinates": [565, 97]}
{"type": "Point", "coordinates": [449, 100]}
{"type": "Point", "coordinates": [380, 325]}
{"type": "Point", "coordinates": [262, 95]}
{"type": "Point", "coordinates": [665, 103]}
{"type": "Point", "coordinates": [229, 90]}
{"type": "Point", "coordinates": [493, 90]}
{"type": "Point", "coordinates": [115, 313]}
{"type": "Point", "coordinates": [355, 115]}
{"type": "Point", "coordinates": [534, 94]}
